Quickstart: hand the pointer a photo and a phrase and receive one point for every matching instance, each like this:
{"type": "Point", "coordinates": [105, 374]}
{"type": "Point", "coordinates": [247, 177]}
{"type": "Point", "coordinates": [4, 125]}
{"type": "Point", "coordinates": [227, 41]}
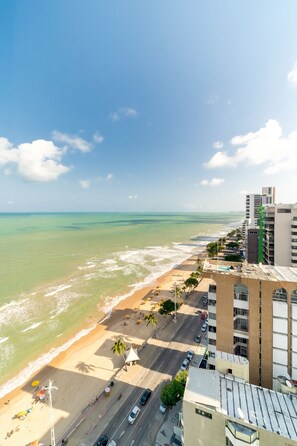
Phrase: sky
{"type": "Point", "coordinates": [135, 106]}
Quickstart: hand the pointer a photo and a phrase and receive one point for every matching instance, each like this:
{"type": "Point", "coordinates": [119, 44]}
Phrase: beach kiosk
{"type": "Point", "coordinates": [131, 357]}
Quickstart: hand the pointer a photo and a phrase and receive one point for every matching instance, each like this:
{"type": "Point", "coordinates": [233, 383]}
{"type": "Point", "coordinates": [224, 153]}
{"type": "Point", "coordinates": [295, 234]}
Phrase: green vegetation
{"type": "Point", "coordinates": [119, 347]}
{"type": "Point", "coordinates": [167, 307]}
{"type": "Point", "coordinates": [172, 393]}
{"type": "Point", "coordinates": [150, 319]}
{"type": "Point", "coordinates": [233, 258]}
{"type": "Point", "coordinates": [191, 282]}
{"type": "Point", "coordinates": [182, 377]}
{"type": "Point", "coordinates": [232, 245]}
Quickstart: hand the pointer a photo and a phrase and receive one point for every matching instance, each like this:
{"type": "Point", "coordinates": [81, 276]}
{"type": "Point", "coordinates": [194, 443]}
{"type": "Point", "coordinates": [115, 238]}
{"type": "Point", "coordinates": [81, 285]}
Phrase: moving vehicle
{"type": "Point", "coordinates": [185, 364]}
{"type": "Point", "coordinates": [190, 355]}
{"type": "Point", "coordinates": [162, 408]}
{"type": "Point", "coordinates": [133, 414]}
{"type": "Point", "coordinates": [145, 396]}
{"type": "Point", "coordinates": [204, 327]}
{"type": "Point", "coordinates": [102, 441]}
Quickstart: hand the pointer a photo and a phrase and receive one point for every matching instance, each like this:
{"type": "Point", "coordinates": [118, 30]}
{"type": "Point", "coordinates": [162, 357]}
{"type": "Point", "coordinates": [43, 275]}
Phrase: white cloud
{"type": "Point", "coordinates": [218, 145]}
{"type": "Point", "coordinates": [213, 182]}
{"type": "Point", "coordinates": [266, 147]}
{"type": "Point", "coordinates": [122, 113]}
{"type": "Point", "coordinates": [98, 138]}
{"type": "Point", "coordinates": [85, 184]}
{"type": "Point", "coordinates": [110, 177]}
{"type": "Point", "coordinates": [36, 161]}
{"type": "Point", "coordinates": [74, 141]}
{"type": "Point", "coordinates": [132, 197]}
{"type": "Point", "coordinates": [10, 202]}
{"type": "Point", "coordinates": [292, 76]}
{"type": "Point", "coordinates": [39, 161]}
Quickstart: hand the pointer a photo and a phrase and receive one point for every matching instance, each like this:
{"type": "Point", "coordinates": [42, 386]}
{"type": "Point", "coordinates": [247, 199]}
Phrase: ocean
{"type": "Point", "coordinates": [60, 271]}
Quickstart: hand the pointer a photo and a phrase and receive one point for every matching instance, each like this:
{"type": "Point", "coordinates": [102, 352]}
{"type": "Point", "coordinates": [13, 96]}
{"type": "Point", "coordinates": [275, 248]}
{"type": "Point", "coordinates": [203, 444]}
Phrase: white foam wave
{"type": "Point", "coordinates": [34, 366]}
{"type": "Point", "coordinates": [57, 290]}
{"type": "Point", "coordinates": [2, 340]}
{"type": "Point", "coordinates": [88, 265]}
{"type": "Point", "coordinates": [32, 327]}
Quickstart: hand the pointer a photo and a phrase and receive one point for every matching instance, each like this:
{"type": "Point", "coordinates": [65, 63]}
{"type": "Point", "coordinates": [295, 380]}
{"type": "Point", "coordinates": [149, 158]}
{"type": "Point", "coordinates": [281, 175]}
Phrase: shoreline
{"type": "Point", "coordinates": [82, 352]}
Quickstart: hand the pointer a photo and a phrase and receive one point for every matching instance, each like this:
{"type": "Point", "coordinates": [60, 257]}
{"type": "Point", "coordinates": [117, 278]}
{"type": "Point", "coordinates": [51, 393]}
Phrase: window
{"type": "Point", "coordinates": [203, 413]}
{"type": "Point", "coordinates": [284, 211]}
{"type": "Point", "coordinates": [212, 316]}
{"type": "Point", "coordinates": [240, 292]}
{"type": "Point", "coordinates": [280, 294]}
{"type": "Point", "coordinates": [241, 432]}
{"type": "Point", "coordinates": [213, 303]}
{"type": "Point", "coordinates": [212, 289]}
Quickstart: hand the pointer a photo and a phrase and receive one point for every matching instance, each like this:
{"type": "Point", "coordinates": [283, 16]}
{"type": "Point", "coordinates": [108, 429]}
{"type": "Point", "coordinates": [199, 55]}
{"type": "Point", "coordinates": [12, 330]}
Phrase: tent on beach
{"type": "Point", "coordinates": [131, 356]}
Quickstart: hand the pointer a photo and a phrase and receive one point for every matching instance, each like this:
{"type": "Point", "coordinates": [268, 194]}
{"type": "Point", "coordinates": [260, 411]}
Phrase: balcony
{"type": "Point", "coordinates": [240, 435]}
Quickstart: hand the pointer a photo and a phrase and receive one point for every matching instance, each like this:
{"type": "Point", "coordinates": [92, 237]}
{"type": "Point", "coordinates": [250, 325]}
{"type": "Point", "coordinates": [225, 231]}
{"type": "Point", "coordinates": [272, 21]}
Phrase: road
{"type": "Point", "coordinates": [160, 361]}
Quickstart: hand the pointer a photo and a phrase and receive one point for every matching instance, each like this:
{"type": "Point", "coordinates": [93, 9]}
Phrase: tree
{"type": "Point", "coordinates": [191, 282]}
{"type": "Point", "coordinates": [181, 377]}
{"type": "Point", "coordinates": [233, 258]}
{"type": "Point", "coordinates": [150, 319]}
{"type": "Point", "coordinates": [167, 307]}
{"type": "Point", "coordinates": [119, 347]}
{"type": "Point", "coordinates": [232, 245]}
{"type": "Point", "coordinates": [172, 393]}
{"type": "Point", "coordinates": [212, 249]}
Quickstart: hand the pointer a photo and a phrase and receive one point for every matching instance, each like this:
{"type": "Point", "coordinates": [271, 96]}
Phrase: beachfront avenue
{"type": "Point", "coordinates": [160, 360]}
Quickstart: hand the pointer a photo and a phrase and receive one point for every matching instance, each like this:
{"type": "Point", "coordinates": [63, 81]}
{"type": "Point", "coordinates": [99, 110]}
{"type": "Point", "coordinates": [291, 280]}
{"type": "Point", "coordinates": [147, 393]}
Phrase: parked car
{"type": "Point", "coordinates": [204, 302]}
{"type": "Point", "coordinates": [162, 408]}
{"type": "Point", "coordinates": [204, 327]}
{"type": "Point", "coordinates": [145, 396]}
{"type": "Point", "coordinates": [190, 355]}
{"type": "Point", "coordinates": [185, 364]}
{"type": "Point", "coordinates": [133, 414]}
{"type": "Point", "coordinates": [206, 321]}
{"type": "Point", "coordinates": [112, 443]}
{"type": "Point", "coordinates": [197, 339]}
{"type": "Point", "coordinates": [102, 441]}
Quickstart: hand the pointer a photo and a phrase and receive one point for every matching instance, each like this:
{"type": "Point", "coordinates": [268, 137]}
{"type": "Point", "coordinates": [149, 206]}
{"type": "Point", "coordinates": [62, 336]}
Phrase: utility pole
{"type": "Point", "coordinates": [49, 391]}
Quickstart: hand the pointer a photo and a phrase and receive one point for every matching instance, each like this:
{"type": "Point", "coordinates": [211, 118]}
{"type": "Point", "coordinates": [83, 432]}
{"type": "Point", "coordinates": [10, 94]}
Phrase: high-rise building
{"type": "Point", "coordinates": [254, 203]}
{"type": "Point", "coordinates": [253, 313]}
{"type": "Point", "coordinates": [278, 235]}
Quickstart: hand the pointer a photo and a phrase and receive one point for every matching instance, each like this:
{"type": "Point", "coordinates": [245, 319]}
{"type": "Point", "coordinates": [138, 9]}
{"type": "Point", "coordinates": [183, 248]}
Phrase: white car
{"type": "Point", "coordinates": [112, 443]}
{"type": "Point", "coordinates": [185, 364]}
{"type": "Point", "coordinates": [190, 355]}
{"type": "Point", "coordinates": [204, 327]}
{"type": "Point", "coordinates": [163, 408]}
{"type": "Point", "coordinates": [133, 415]}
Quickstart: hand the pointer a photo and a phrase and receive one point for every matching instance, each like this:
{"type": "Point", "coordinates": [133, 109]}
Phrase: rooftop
{"type": "Point", "coordinates": [231, 357]}
{"type": "Point", "coordinates": [261, 272]}
{"type": "Point", "coordinates": [256, 406]}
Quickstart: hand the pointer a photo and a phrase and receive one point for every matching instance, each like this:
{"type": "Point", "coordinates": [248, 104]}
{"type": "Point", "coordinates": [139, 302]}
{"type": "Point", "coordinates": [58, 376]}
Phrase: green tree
{"type": "Point", "coordinates": [233, 258]}
{"type": "Point", "coordinates": [172, 393]}
{"type": "Point", "coordinates": [181, 377]}
{"type": "Point", "coordinates": [119, 347]}
{"type": "Point", "coordinates": [150, 319]}
{"type": "Point", "coordinates": [191, 282]}
{"type": "Point", "coordinates": [232, 245]}
{"type": "Point", "coordinates": [167, 307]}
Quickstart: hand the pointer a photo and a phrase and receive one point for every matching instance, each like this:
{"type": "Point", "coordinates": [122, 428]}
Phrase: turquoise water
{"type": "Point", "coordinates": [58, 270]}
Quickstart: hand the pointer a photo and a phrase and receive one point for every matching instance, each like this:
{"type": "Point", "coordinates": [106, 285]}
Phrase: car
{"type": "Point", "coordinates": [133, 414]}
{"type": "Point", "coordinates": [204, 327]}
{"type": "Point", "coordinates": [204, 302]}
{"type": "Point", "coordinates": [163, 408]}
{"type": "Point", "coordinates": [112, 443]}
{"type": "Point", "coordinates": [185, 364]}
{"type": "Point", "coordinates": [145, 396]}
{"type": "Point", "coordinates": [102, 441]}
{"type": "Point", "coordinates": [206, 321]}
{"type": "Point", "coordinates": [197, 339]}
{"type": "Point", "coordinates": [190, 355]}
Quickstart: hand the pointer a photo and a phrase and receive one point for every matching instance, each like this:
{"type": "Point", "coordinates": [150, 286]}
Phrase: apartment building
{"type": "Point", "coordinates": [221, 409]}
{"type": "Point", "coordinates": [253, 313]}
{"type": "Point", "coordinates": [278, 234]}
{"type": "Point", "coordinates": [254, 203]}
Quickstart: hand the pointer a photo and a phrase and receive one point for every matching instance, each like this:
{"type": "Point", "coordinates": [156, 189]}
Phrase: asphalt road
{"type": "Point", "coordinates": [160, 360]}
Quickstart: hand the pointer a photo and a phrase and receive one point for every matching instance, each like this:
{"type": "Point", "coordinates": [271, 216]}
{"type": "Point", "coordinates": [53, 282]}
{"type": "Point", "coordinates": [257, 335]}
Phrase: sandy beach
{"type": "Point", "coordinates": [83, 371]}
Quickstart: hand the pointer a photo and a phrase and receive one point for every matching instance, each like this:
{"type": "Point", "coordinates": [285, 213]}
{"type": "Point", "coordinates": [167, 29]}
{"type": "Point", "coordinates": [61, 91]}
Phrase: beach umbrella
{"type": "Point", "coordinates": [35, 383]}
{"type": "Point", "coordinates": [40, 394]}
{"type": "Point", "coordinates": [35, 443]}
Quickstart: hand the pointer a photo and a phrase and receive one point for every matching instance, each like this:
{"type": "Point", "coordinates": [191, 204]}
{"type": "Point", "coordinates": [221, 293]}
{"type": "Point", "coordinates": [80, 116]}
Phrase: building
{"type": "Point", "coordinates": [220, 409]}
{"type": "Point", "coordinates": [278, 235]}
{"type": "Point", "coordinates": [253, 313]}
{"type": "Point", "coordinates": [254, 203]}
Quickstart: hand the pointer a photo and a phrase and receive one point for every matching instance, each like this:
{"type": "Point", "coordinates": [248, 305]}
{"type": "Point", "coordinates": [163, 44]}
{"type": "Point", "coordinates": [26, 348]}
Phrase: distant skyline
{"type": "Point", "coordinates": [146, 106]}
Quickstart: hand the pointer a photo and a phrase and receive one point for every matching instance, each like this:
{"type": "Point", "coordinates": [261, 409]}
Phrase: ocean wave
{"type": "Point", "coordinates": [32, 327]}
{"type": "Point", "coordinates": [57, 290]}
{"type": "Point", "coordinates": [2, 340]}
{"type": "Point", "coordinates": [40, 362]}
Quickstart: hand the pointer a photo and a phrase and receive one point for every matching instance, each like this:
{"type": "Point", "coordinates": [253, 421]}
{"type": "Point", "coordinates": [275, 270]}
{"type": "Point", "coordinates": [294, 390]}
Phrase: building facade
{"type": "Point", "coordinates": [253, 313]}
{"type": "Point", "coordinates": [278, 235]}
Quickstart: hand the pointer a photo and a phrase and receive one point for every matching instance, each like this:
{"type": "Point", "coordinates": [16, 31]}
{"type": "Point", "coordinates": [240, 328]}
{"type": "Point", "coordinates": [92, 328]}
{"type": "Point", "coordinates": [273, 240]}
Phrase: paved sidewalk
{"type": "Point", "coordinates": [165, 436]}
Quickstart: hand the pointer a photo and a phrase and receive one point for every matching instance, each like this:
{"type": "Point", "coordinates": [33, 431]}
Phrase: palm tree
{"type": "Point", "coordinates": [150, 319]}
{"type": "Point", "coordinates": [119, 347]}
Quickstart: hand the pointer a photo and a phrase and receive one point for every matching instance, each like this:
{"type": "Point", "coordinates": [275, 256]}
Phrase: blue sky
{"type": "Point", "coordinates": [146, 105]}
